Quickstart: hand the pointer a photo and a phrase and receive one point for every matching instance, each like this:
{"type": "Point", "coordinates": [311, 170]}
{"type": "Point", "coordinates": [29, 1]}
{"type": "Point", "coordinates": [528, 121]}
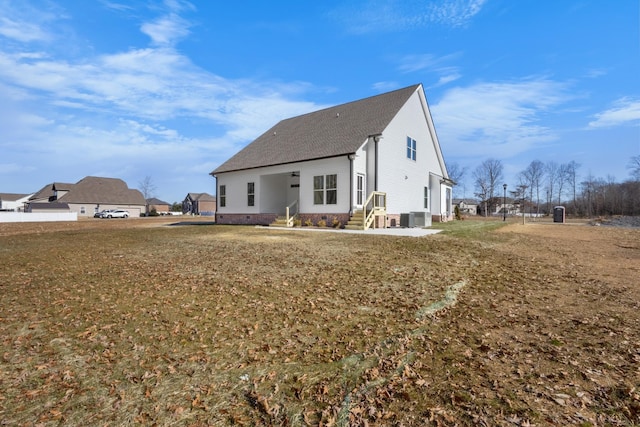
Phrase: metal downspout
{"type": "Point", "coordinates": [350, 157]}
{"type": "Point", "coordinates": [216, 211]}
{"type": "Point", "coordinates": [375, 182]}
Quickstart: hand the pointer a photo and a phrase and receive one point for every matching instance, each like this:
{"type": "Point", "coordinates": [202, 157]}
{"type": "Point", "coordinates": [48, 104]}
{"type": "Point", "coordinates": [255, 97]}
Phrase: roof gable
{"type": "Point", "coordinates": [325, 133]}
{"type": "Point", "coordinates": [48, 191]}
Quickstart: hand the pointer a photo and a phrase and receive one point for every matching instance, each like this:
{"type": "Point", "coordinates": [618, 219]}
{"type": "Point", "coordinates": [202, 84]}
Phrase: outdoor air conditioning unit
{"type": "Point", "coordinates": [421, 219]}
{"type": "Point", "coordinates": [407, 220]}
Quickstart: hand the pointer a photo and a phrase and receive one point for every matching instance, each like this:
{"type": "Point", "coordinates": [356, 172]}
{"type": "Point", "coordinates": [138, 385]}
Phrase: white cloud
{"type": "Point", "coordinates": [166, 30]}
{"type": "Point", "coordinates": [625, 111]}
{"type": "Point", "coordinates": [21, 31]}
{"type": "Point", "coordinates": [26, 24]}
{"type": "Point", "coordinates": [432, 64]}
{"type": "Point", "coordinates": [399, 15]}
{"type": "Point", "coordinates": [496, 119]}
{"type": "Point", "coordinates": [131, 113]}
{"type": "Point", "coordinates": [454, 13]}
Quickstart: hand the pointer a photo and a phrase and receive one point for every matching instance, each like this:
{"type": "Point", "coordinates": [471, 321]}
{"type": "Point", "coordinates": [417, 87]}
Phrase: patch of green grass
{"type": "Point", "coordinates": [469, 229]}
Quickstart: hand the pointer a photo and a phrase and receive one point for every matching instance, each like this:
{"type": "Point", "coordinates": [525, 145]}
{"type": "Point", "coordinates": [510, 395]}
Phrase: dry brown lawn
{"type": "Point", "coordinates": [138, 322]}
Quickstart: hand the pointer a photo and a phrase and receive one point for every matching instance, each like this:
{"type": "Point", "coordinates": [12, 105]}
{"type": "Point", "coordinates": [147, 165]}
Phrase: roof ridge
{"type": "Point", "coordinates": [368, 98]}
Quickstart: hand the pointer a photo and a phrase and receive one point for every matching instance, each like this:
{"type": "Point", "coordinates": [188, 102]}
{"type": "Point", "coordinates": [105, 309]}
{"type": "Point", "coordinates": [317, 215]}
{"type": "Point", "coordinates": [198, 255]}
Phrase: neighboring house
{"type": "Point", "coordinates": [466, 206]}
{"type": "Point", "coordinates": [13, 202]}
{"type": "Point", "coordinates": [199, 204]}
{"type": "Point", "coordinates": [90, 195]}
{"type": "Point", "coordinates": [380, 154]}
{"type": "Point", "coordinates": [512, 207]}
{"type": "Point", "coordinates": [157, 204]}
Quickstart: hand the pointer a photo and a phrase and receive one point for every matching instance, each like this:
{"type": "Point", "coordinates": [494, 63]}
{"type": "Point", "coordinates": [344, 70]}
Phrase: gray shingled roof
{"type": "Point", "coordinates": [11, 196]}
{"type": "Point", "coordinates": [204, 197]}
{"type": "Point", "coordinates": [156, 201]}
{"type": "Point", "coordinates": [326, 133]}
{"type": "Point", "coordinates": [92, 189]}
{"type": "Point", "coordinates": [47, 191]}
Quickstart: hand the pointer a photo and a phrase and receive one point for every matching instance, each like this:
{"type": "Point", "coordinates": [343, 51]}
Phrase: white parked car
{"type": "Point", "coordinates": [116, 213]}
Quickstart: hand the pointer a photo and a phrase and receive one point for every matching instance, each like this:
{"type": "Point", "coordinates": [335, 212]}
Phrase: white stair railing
{"type": "Point", "coordinates": [376, 205]}
{"type": "Point", "coordinates": [292, 213]}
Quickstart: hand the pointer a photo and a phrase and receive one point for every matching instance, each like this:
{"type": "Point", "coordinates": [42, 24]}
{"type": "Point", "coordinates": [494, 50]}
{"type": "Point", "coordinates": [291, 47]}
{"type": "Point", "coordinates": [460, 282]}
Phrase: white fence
{"type": "Point", "coordinates": [38, 216]}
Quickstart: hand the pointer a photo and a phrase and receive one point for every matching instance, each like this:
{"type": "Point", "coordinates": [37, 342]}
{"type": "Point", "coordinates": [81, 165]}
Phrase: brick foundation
{"type": "Point", "coordinates": [328, 218]}
{"type": "Point", "coordinates": [266, 219]}
{"type": "Point", "coordinates": [393, 220]}
{"type": "Point", "coordinates": [245, 219]}
{"type": "Point", "coordinates": [441, 218]}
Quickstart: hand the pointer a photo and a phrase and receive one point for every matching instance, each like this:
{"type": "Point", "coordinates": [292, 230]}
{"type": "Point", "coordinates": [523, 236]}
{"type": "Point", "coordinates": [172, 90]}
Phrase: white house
{"type": "Point", "coordinates": [378, 155]}
{"type": "Point", "coordinates": [13, 202]}
{"type": "Point", "coordinates": [466, 206]}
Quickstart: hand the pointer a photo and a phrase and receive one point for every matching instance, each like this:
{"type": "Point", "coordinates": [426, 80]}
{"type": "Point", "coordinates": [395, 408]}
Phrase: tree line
{"type": "Point", "coordinates": [542, 186]}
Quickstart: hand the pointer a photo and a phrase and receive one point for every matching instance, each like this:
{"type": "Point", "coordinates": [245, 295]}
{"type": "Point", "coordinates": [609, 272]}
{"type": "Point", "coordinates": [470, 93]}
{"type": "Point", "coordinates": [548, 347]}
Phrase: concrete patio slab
{"type": "Point", "coordinates": [393, 231]}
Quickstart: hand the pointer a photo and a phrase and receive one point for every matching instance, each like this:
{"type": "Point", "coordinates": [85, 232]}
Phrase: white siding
{"type": "Point", "coordinates": [274, 191]}
{"type": "Point", "coordinates": [401, 178]}
{"type": "Point", "coordinates": [336, 165]}
{"type": "Point", "coordinates": [236, 191]}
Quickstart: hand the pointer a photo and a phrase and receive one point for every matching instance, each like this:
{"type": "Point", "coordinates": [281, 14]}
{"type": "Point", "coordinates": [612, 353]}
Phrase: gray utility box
{"type": "Point", "coordinates": [421, 219]}
{"type": "Point", "coordinates": [407, 220]}
{"type": "Point", "coordinates": [558, 214]}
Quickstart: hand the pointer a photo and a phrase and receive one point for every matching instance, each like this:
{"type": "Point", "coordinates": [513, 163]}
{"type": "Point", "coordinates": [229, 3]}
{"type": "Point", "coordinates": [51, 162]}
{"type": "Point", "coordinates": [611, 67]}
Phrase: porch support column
{"type": "Point", "coordinates": [376, 138]}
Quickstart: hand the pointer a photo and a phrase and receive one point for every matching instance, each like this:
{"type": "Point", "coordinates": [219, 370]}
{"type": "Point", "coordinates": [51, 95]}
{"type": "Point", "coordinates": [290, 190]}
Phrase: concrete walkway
{"type": "Point", "coordinates": [393, 231]}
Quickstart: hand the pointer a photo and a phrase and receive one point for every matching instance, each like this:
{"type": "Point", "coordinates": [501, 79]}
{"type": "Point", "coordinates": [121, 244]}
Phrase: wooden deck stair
{"type": "Point", "coordinates": [356, 222]}
{"type": "Point", "coordinates": [280, 221]}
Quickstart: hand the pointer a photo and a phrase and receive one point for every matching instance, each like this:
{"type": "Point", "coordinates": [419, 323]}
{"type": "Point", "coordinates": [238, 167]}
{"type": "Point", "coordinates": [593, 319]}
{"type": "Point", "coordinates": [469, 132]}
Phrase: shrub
{"type": "Point", "coordinates": [457, 212]}
{"type": "Point", "coordinates": [322, 223]}
{"type": "Point", "coordinates": [335, 223]}
{"type": "Point", "coordinates": [308, 222]}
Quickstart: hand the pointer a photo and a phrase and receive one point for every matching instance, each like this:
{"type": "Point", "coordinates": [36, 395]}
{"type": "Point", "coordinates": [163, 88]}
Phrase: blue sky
{"type": "Point", "coordinates": [169, 90]}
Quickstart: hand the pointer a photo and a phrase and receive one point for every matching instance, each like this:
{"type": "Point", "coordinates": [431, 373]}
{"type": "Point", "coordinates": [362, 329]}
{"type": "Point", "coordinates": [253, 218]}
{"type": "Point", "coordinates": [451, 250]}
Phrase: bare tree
{"type": "Point", "coordinates": [532, 176]}
{"type": "Point", "coordinates": [634, 167]}
{"type": "Point", "coordinates": [571, 179]}
{"type": "Point", "coordinates": [147, 188]}
{"type": "Point", "coordinates": [563, 176]}
{"type": "Point", "coordinates": [487, 177]}
{"type": "Point", "coordinates": [552, 171]}
{"type": "Point", "coordinates": [520, 194]}
{"type": "Point", "coordinates": [456, 174]}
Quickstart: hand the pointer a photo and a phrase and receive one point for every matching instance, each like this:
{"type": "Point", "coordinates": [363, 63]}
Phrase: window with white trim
{"type": "Point", "coordinates": [222, 193]}
{"type": "Point", "coordinates": [325, 189]}
{"type": "Point", "coordinates": [251, 193]}
{"type": "Point", "coordinates": [426, 198]}
{"type": "Point", "coordinates": [411, 148]}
